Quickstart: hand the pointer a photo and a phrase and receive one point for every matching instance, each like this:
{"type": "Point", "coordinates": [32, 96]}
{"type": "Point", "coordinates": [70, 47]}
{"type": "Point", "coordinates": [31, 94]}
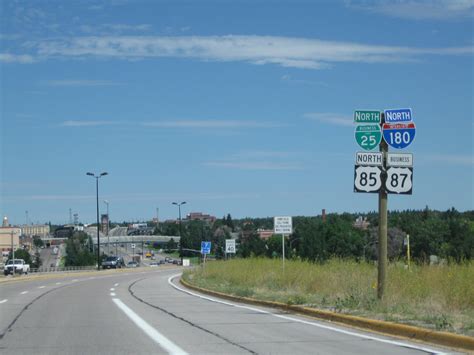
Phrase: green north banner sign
{"type": "Point", "coordinates": [367, 116]}
{"type": "Point", "coordinates": [368, 136]}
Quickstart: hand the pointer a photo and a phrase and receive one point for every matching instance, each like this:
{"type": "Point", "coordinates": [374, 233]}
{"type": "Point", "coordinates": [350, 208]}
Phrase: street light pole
{"type": "Point", "coordinates": [97, 177]}
{"type": "Point", "coordinates": [180, 233]}
{"type": "Point", "coordinates": [108, 223]}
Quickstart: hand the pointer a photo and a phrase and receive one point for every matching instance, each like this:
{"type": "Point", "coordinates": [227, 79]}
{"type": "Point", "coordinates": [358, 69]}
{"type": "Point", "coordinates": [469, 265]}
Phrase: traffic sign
{"type": "Point", "coordinates": [368, 136]}
{"type": "Point", "coordinates": [399, 180]}
{"type": "Point", "coordinates": [399, 135]}
{"type": "Point", "coordinates": [367, 116]}
{"type": "Point", "coordinates": [205, 247]}
{"type": "Point", "coordinates": [230, 246]}
{"type": "Point", "coordinates": [133, 246]}
{"type": "Point", "coordinates": [368, 158]}
{"type": "Point", "coordinates": [400, 159]}
{"type": "Point", "coordinates": [283, 225]}
{"type": "Point", "coordinates": [398, 115]}
{"type": "Point", "coordinates": [367, 178]}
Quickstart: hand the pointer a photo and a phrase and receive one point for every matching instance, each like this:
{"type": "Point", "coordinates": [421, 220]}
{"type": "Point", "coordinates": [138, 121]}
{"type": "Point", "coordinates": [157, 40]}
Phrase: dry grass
{"type": "Point", "coordinates": [437, 297]}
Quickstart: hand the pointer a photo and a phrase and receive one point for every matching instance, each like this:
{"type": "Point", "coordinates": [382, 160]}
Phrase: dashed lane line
{"type": "Point", "coordinates": [3, 301]}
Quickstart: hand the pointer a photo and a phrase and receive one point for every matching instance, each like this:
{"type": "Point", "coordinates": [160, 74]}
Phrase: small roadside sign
{"type": "Point", "coordinates": [230, 246]}
{"type": "Point", "coordinates": [400, 159]}
{"type": "Point", "coordinates": [205, 247]}
{"type": "Point", "coordinates": [368, 136]}
{"type": "Point", "coordinates": [283, 225]}
{"type": "Point", "coordinates": [369, 159]}
{"type": "Point", "coordinates": [399, 180]}
{"type": "Point", "coordinates": [365, 116]}
{"type": "Point", "coordinates": [398, 115]}
{"type": "Point", "coordinates": [399, 135]}
{"type": "Point", "coordinates": [367, 178]}
{"type": "Point", "coordinates": [133, 246]}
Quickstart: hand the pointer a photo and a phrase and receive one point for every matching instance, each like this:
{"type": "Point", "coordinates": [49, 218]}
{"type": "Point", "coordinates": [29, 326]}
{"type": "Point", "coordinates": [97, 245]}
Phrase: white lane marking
{"type": "Point", "coordinates": [116, 285]}
{"type": "Point", "coordinates": [75, 280]}
{"type": "Point", "coordinates": [41, 286]}
{"type": "Point", "coordinates": [24, 293]}
{"type": "Point", "coordinates": [112, 294]}
{"type": "Point", "coordinates": [3, 301]}
{"type": "Point", "coordinates": [112, 289]}
{"type": "Point", "coordinates": [159, 338]}
{"type": "Point", "coordinates": [58, 283]}
{"type": "Point", "coordinates": [347, 332]}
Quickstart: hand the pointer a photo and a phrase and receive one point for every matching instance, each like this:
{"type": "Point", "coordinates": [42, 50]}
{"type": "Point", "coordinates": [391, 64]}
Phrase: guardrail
{"type": "Point", "coordinates": [63, 269]}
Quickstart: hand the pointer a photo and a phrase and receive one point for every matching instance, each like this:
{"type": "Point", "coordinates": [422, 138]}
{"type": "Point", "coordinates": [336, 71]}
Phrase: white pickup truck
{"type": "Point", "coordinates": [17, 264]}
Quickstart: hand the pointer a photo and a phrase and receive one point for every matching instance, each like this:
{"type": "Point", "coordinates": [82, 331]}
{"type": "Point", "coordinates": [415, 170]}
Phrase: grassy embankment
{"type": "Point", "coordinates": [435, 297]}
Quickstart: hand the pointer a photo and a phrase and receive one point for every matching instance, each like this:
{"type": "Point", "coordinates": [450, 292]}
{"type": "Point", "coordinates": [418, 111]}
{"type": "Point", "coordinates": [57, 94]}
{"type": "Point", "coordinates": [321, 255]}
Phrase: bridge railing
{"type": "Point", "coordinates": [62, 269]}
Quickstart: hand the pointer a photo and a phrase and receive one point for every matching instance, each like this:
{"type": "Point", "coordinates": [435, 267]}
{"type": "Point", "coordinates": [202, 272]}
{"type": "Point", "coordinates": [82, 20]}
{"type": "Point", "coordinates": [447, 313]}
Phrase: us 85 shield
{"type": "Point", "coordinates": [367, 178]}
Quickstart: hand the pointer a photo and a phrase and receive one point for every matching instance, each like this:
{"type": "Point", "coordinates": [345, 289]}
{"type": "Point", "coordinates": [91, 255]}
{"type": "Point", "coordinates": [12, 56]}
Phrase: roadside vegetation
{"type": "Point", "coordinates": [437, 297]}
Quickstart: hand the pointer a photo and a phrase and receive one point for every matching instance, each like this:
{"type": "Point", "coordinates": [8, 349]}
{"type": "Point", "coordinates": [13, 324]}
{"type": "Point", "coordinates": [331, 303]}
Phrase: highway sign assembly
{"type": "Point", "coordinates": [133, 246]}
{"type": "Point", "coordinates": [367, 178]}
{"type": "Point", "coordinates": [369, 158]}
{"type": "Point", "coordinates": [400, 159]}
{"type": "Point", "coordinates": [205, 247]}
{"type": "Point", "coordinates": [367, 116]}
{"type": "Point", "coordinates": [230, 246]}
{"type": "Point", "coordinates": [398, 115]}
{"type": "Point", "coordinates": [368, 136]}
{"type": "Point", "coordinates": [399, 180]}
{"type": "Point", "coordinates": [399, 135]}
{"type": "Point", "coordinates": [283, 225]}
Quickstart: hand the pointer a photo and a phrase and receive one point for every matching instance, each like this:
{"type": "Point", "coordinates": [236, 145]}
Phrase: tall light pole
{"type": "Point", "coordinates": [97, 177]}
{"type": "Point", "coordinates": [108, 223]}
{"type": "Point", "coordinates": [180, 234]}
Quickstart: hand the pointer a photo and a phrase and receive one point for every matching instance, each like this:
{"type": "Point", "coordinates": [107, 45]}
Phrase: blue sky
{"type": "Point", "coordinates": [240, 107]}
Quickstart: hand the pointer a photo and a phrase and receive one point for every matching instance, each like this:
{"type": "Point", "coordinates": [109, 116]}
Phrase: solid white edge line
{"type": "Point", "coordinates": [155, 335]}
{"type": "Point", "coordinates": [3, 301]}
{"type": "Point", "coordinates": [347, 332]}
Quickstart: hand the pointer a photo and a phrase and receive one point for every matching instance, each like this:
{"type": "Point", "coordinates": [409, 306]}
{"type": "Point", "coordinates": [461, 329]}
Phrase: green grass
{"type": "Point", "coordinates": [436, 297]}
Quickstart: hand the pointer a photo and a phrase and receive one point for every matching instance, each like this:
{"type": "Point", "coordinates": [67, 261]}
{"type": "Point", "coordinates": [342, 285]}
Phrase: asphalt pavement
{"type": "Point", "coordinates": [146, 311]}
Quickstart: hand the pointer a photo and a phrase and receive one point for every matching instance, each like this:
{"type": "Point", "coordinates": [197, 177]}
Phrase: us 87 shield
{"type": "Point", "coordinates": [367, 178]}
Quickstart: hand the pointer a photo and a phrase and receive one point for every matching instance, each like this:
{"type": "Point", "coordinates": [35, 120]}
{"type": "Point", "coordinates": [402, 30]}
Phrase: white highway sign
{"type": "Point", "coordinates": [283, 225]}
{"type": "Point", "coordinates": [367, 179]}
{"type": "Point", "coordinates": [230, 246]}
{"type": "Point", "coordinates": [400, 159]}
{"type": "Point", "coordinates": [367, 158]}
{"type": "Point", "coordinates": [399, 180]}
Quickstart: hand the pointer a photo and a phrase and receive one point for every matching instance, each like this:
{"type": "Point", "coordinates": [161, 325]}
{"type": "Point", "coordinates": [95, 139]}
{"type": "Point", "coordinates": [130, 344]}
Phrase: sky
{"type": "Point", "coordinates": [240, 107]}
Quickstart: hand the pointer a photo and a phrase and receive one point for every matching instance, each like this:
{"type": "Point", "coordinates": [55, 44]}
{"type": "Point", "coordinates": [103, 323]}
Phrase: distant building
{"type": "Point", "coordinates": [5, 222]}
{"type": "Point", "coordinates": [9, 235]}
{"type": "Point", "coordinates": [199, 216]}
{"type": "Point", "coordinates": [41, 230]}
{"type": "Point", "coordinates": [265, 233]}
{"type": "Point", "coordinates": [361, 223]}
{"type": "Point", "coordinates": [105, 224]}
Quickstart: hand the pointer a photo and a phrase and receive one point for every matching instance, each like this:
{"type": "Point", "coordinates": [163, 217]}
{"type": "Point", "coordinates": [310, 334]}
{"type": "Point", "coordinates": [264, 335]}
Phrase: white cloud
{"type": "Point", "coordinates": [331, 118]}
{"type": "Point", "coordinates": [419, 9]}
{"type": "Point", "coordinates": [283, 51]}
{"type": "Point", "coordinates": [251, 165]}
{"type": "Point", "coordinates": [16, 58]}
{"type": "Point", "coordinates": [450, 159]}
{"type": "Point", "coordinates": [211, 124]}
{"type": "Point", "coordinates": [80, 83]}
{"type": "Point", "coordinates": [72, 123]}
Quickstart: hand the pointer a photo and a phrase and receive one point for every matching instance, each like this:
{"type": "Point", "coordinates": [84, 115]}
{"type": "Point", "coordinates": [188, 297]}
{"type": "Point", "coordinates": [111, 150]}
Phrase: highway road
{"type": "Point", "coordinates": [146, 311]}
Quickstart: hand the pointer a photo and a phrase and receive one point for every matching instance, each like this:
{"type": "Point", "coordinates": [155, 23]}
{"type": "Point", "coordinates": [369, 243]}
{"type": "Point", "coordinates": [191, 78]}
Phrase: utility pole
{"type": "Point", "coordinates": [382, 255]}
{"type": "Point", "coordinates": [13, 256]}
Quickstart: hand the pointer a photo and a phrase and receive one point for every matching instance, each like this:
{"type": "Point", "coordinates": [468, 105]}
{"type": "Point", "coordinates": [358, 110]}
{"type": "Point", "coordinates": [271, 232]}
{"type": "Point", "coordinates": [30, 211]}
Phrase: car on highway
{"type": "Point", "coordinates": [132, 264]}
{"type": "Point", "coordinates": [113, 262]}
{"type": "Point", "coordinates": [154, 264]}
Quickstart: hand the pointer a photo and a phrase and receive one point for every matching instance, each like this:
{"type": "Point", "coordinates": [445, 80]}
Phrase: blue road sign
{"type": "Point", "coordinates": [205, 247]}
{"type": "Point", "coordinates": [398, 115]}
{"type": "Point", "coordinates": [399, 135]}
